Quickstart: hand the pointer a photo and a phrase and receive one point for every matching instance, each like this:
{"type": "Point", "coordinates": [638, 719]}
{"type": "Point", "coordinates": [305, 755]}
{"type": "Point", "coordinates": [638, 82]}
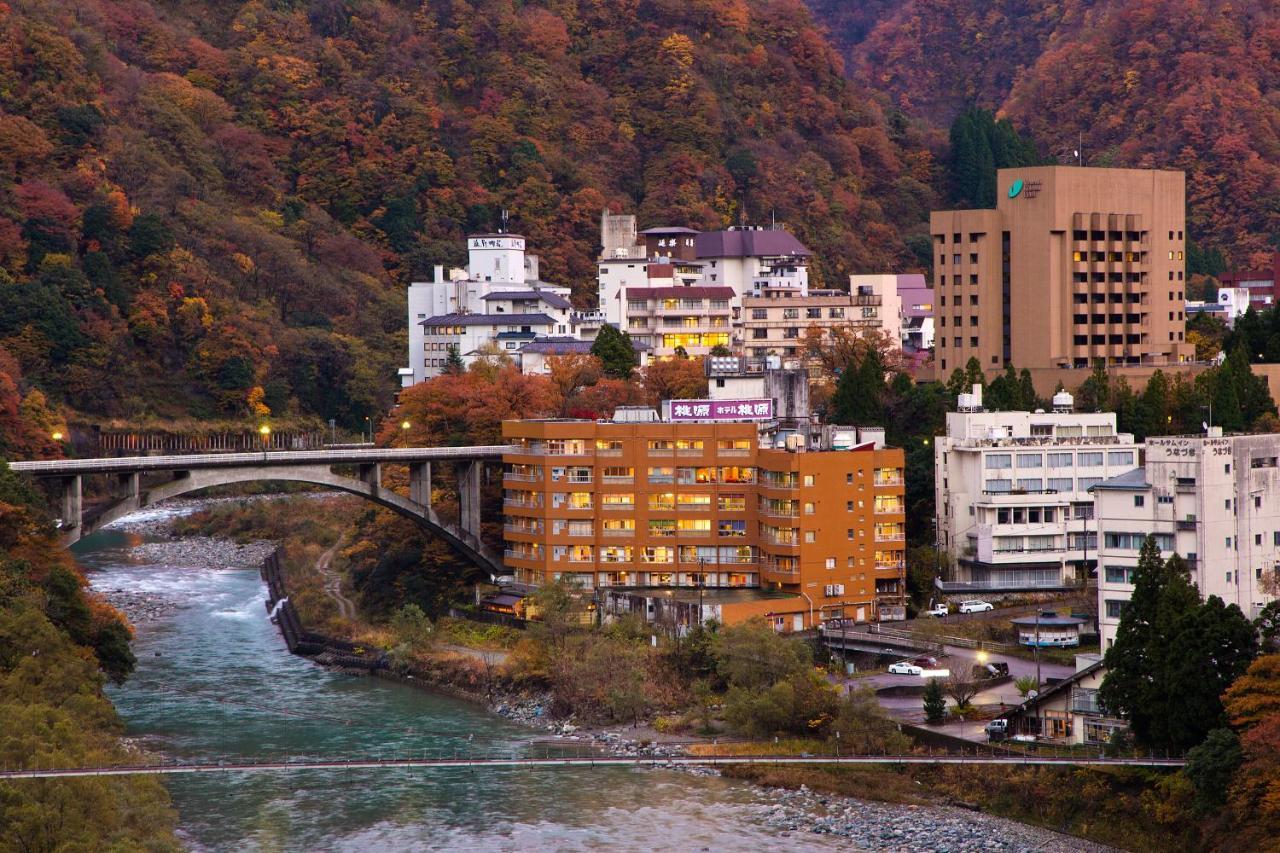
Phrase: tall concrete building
{"type": "Point", "coordinates": [797, 527]}
{"type": "Point", "coordinates": [1074, 266]}
{"type": "Point", "coordinates": [1013, 505]}
{"type": "Point", "coordinates": [1213, 499]}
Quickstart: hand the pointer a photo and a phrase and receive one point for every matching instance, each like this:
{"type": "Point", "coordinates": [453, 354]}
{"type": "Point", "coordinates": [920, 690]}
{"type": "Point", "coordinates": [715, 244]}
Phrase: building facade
{"type": "Point", "coordinates": [1263, 285]}
{"type": "Point", "coordinates": [1013, 506]}
{"type": "Point", "coordinates": [815, 527]}
{"type": "Point", "coordinates": [780, 321]}
{"type": "Point", "coordinates": [1074, 266]}
{"type": "Point", "coordinates": [1213, 499]}
{"type": "Point", "coordinates": [496, 305]}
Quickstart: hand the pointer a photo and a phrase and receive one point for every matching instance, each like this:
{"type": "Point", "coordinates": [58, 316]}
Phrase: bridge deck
{"type": "Point", "coordinates": [603, 761]}
{"type": "Point", "coordinates": [186, 462]}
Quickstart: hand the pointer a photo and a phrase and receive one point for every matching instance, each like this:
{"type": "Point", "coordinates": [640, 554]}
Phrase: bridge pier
{"type": "Point", "coordinates": [71, 502]}
{"type": "Point", "coordinates": [469, 497]}
{"type": "Point", "coordinates": [420, 483]}
{"type": "Point", "coordinates": [371, 475]}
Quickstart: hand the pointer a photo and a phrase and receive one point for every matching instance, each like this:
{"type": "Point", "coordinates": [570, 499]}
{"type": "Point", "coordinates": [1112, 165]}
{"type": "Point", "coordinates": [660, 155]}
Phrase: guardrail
{"type": "Point", "coordinates": [122, 464]}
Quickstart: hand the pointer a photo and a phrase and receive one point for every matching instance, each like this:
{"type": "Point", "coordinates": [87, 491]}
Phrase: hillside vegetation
{"type": "Point", "coordinates": [1178, 84]}
{"type": "Point", "coordinates": [212, 208]}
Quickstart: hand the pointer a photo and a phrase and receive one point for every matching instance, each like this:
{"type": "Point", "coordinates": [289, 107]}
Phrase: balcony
{"type": "Point", "coordinates": [520, 555]}
{"type": "Point", "coordinates": [615, 507]}
{"type": "Point", "coordinates": [772, 512]}
{"type": "Point", "coordinates": [885, 482]}
{"type": "Point", "coordinates": [523, 529]}
{"type": "Point", "coordinates": [890, 510]}
{"type": "Point", "coordinates": [530, 503]}
{"type": "Point", "coordinates": [617, 481]}
{"type": "Point", "coordinates": [522, 478]}
{"type": "Point", "coordinates": [610, 533]}
{"type": "Point", "coordinates": [691, 453]}
{"type": "Point", "coordinates": [891, 567]}
{"type": "Point", "coordinates": [732, 452]}
{"type": "Point", "coordinates": [891, 537]}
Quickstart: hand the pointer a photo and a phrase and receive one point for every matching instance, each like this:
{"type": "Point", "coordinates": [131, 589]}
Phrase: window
{"type": "Point", "coordinates": [808, 479]}
{"type": "Point", "coordinates": [1030, 460]}
{"type": "Point", "coordinates": [810, 536]}
{"type": "Point", "coordinates": [1089, 460]}
{"type": "Point", "coordinates": [1032, 484]}
{"type": "Point", "coordinates": [1120, 574]}
{"type": "Point", "coordinates": [1133, 541]}
{"type": "Point", "coordinates": [1120, 457]}
{"type": "Point", "coordinates": [1086, 483]}
{"type": "Point", "coordinates": [1115, 607]}
{"type": "Point", "coordinates": [1061, 484]}
{"type": "Point", "coordinates": [1139, 500]}
{"type": "Point", "coordinates": [726, 527]}
{"type": "Point", "coordinates": [998, 460]}
{"type": "Point", "coordinates": [759, 313]}
{"type": "Point", "coordinates": [998, 485]}
{"type": "Point", "coordinates": [1059, 460]}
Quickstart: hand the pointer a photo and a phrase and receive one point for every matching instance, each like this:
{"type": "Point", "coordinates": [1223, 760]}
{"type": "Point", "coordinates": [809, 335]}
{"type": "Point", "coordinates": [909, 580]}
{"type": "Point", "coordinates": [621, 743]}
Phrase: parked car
{"type": "Point", "coordinates": [926, 661]}
{"type": "Point", "coordinates": [976, 606]}
{"type": "Point", "coordinates": [904, 668]}
{"type": "Point", "coordinates": [938, 610]}
{"type": "Point", "coordinates": [997, 730]}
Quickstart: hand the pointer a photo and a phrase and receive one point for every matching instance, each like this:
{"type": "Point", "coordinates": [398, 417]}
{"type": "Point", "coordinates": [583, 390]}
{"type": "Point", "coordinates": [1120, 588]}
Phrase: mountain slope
{"type": "Point", "coordinates": [1184, 84]}
{"type": "Point", "coordinates": [211, 208]}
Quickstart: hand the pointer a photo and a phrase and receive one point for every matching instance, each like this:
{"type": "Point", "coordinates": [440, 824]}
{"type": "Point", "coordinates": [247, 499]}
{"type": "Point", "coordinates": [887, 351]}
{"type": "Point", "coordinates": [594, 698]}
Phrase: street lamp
{"type": "Point", "coordinates": [57, 435]}
{"type": "Point", "coordinates": [265, 432]}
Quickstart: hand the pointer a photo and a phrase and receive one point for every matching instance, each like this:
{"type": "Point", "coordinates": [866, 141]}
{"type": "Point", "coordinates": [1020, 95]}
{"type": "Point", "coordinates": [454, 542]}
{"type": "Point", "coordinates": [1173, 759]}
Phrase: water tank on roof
{"type": "Point", "coordinates": [1063, 402]}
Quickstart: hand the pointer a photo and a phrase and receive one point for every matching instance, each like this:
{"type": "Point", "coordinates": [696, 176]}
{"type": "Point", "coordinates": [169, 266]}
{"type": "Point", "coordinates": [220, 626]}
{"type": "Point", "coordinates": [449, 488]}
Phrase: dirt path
{"type": "Point", "coordinates": [333, 582]}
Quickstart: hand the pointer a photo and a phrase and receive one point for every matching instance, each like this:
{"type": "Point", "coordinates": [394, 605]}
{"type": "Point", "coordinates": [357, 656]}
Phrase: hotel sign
{"type": "Point", "coordinates": [722, 410]}
{"type": "Point", "coordinates": [1026, 189]}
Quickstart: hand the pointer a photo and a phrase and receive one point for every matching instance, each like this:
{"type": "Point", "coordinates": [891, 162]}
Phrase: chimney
{"type": "Point", "coordinates": [439, 276]}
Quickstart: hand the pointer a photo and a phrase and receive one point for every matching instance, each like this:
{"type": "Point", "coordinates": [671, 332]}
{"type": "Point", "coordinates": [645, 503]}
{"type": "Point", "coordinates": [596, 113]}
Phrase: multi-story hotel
{"type": "Point", "coordinates": [1213, 499]}
{"type": "Point", "coordinates": [778, 321]}
{"type": "Point", "coordinates": [795, 528]}
{"type": "Point", "coordinates": [1074, 266]}
{"type": "Point", "coordinates": [1013, 505]}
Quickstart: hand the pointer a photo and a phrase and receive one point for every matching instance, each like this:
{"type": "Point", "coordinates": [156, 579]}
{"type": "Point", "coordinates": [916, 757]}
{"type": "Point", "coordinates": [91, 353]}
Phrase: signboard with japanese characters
{"type": "Point", "coordinates": [722, 410]}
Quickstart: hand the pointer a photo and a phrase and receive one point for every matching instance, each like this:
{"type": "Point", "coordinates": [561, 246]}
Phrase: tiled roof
{"type": "Point", "coordinates": [555, 300]}
{"type": "Point", "coordinates": [669, 229]}
{"type": "Point", "coordinates": [675, 291]}
{"type": "Point", "coordinates": [748, 244]}
{"type": "Point", "coordinates": [487, 320]}
{"type": "Point", "coordinates": [564, 346]}
{"type": "Point", "coordinates": [1128, 481]}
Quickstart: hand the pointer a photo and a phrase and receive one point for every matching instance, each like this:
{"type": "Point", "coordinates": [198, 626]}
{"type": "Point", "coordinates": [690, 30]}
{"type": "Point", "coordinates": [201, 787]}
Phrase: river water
{"type": "Point", "coordinates": [215, 682]}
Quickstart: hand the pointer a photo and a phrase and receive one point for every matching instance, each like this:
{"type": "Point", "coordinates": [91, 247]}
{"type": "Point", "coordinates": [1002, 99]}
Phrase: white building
{"type": "Point", "coordinates": [1013, 505]}
{"type": "Point", "coordinates": [1213, 499]}
{"type": "Point", "coordinates": [496, 304]}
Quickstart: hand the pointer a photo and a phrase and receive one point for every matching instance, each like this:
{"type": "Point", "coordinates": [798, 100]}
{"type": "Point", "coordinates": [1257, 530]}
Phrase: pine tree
{"type": "Point", "coordinates": [859, 397]}
{"type": "Point", "coordinates": [935, 703]}
{"type": "Point", "coordinates": [1030, 401]}
{"type": "Point", "coordinates": [453, 363]}
{"type": "Point", "coordinates": [616, 354]}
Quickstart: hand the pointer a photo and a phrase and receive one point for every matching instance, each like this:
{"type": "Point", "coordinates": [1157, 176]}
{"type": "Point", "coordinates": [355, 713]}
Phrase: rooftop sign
{"type": "Point", "coordinates": [720, 410]}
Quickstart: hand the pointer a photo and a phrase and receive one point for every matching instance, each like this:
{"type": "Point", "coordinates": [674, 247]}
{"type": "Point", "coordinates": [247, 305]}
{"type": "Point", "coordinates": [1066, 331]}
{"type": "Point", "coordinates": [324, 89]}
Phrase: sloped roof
{"type": "Point", "coordinates": [1134, 480]}
{"type": "Point", "coordinates": [555, 300]}
{"type": "Point", "coordinates": [677, 291]}
{"type": "Point", "coordinates": [748, 244]}
{"type": "Point", "coordinates": [564, 346]}
{"type": "Point", "coordinates": [487, 320]}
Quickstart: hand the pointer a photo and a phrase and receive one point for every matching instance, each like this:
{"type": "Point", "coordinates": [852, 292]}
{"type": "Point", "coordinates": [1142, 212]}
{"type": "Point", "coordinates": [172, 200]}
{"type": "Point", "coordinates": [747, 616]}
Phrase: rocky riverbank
{"type": "Point", "coordinates": [896, 827]}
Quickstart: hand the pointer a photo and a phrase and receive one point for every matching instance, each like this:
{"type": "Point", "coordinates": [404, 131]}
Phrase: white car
{"type": "Point", "coordinates": [904, 668]}
{"type": "Point", "coordinates": [938, 610]}
{"type": "Point", "coordinates": [976, 606]}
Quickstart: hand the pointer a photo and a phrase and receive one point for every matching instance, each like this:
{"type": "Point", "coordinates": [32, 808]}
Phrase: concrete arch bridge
{"type": "Point", "coordinates": [143, 481]}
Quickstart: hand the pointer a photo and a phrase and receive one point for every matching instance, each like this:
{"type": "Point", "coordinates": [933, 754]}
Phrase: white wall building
{"type": "Point", "coordinates": [1013, 504]}
{"type": "Point", "coordinates": [1213, 499]}
{"type": "Point", "coordinates": [496, 303]}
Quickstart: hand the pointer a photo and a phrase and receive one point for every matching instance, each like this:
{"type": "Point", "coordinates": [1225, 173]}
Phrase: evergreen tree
{"type": "Point", "coordinates": [935, 703]}
{"type": "Point", "coordinates": [956, 385]}
{"type": "Point", "coordinates": [1173, 656]}
{"type": "Point", "coordinates": [973, 374]}
{"type": "Point", "coordinates": [1094, 394]}
{"type": "Point", "coordinates": [1030, 401]}
{"type": "Point", "coordinates": [1153, 407]}
{"type": "Point", "coordinates": [860, 393]}
{"type": "Point", "coordinates": [979, 146]}
{"type": "Point", "coordinates": [453, 363]}
{"type": "Point", "coordinates": [616, 354]}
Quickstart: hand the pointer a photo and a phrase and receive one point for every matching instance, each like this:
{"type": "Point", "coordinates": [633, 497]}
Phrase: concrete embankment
{"type": "Point", "coordinates": [324, 650]}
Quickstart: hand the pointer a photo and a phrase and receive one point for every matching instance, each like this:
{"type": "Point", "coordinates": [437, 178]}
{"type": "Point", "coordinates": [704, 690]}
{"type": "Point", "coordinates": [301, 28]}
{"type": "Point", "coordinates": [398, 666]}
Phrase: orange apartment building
{"type": "Point", "coordinates": [702, 514]}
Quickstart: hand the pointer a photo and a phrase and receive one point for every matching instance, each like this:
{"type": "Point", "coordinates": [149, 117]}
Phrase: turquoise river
{"type": "Point", "coordinates": [215, 682]}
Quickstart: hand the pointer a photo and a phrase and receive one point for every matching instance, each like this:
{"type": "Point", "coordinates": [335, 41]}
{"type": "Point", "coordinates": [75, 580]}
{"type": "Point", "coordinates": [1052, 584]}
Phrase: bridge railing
{"type": "Point", "coordinates": [388, 455]}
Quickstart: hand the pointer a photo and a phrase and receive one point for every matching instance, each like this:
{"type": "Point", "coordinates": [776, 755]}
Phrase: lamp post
{"type": "Point", "coordinates": [57, 435]}
{"type": "Point", "coordinates": [404, 432]}
{"type": "Point", "coordinates": [265, 432]}
{"type": "Point", "coordinates": [368, 429]}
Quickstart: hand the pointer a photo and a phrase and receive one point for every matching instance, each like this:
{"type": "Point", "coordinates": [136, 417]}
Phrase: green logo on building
{"type": "Point", "coordinates": [1015, 188]}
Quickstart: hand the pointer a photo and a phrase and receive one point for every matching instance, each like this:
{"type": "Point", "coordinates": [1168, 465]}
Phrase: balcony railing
{"type": "Point", "coordinates": [892, 567]}
{"type": "Point", "coordinates": [887, 481]}
{"type": "Point", "coordinates": [891, 537]}
{"type": "Point", "coordinates": [609, 532]}
{"type": "Point", "coordinates": [522, 478]}
{"type": "Point", "coordinates": [522, 528]}
{"type": "Point", "coordinates": [616, 506]}
{"type": "Point", "coordinates": [624, 480]}
{"type": "Point", "coordinates": [890, 510]}
{"type": "Point", "coordinates": [530, 504]}
{"type": "Point", "coordinates": [520, 555]}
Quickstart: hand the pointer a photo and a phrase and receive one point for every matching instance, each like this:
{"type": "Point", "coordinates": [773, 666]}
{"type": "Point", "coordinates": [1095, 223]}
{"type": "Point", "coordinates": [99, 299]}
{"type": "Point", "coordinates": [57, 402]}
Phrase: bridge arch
{"type": "Point", "coordinates": [466, 543]}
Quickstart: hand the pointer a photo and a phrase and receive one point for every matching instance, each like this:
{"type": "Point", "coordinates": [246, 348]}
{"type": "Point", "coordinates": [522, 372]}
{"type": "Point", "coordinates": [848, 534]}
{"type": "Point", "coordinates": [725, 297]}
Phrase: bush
{"type": "Point", "coordinates": [803, 704]}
